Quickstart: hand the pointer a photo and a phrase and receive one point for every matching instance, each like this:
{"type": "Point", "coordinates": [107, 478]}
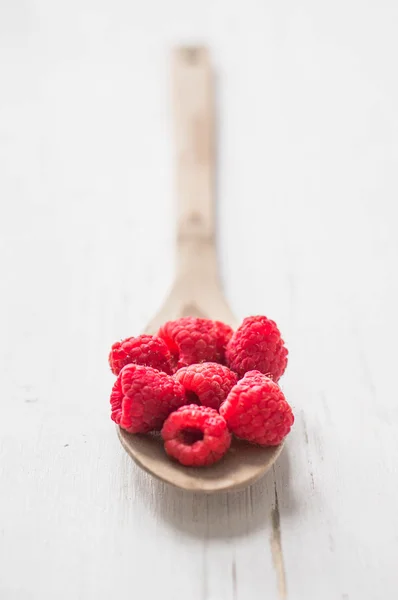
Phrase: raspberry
{"type": "Point", "coordinates": [207, 383]}
{"type": "Point", "coordinates": [223, 335]}
{"type": "Point", "coordinates": [256, 410]}
{"type": "Point", "coordinates": [195, 340]}
{"type": "Point", "coordinates": [257, 345]}
{"type": "Point", "coordinates": [142, 398]}
{"type": "Point", "coordinates": [147, 350]}
{"type": "Point", "coordinates": [116, 401]}
{"type": "Point", "coordinates": [196, 436]}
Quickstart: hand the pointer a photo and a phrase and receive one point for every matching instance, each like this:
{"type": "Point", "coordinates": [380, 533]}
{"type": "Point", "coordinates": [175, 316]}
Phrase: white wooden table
{"type": "Point", "coordinates": [308, 187]}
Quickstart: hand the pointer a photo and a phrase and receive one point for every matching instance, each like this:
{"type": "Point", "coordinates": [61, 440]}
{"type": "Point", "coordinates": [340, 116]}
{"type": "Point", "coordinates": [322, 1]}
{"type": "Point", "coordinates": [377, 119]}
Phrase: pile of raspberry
{"type": "Point", "coordinates": [199, 382]}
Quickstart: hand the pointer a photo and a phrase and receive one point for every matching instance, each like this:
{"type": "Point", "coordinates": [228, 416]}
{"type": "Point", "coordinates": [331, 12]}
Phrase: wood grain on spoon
{"type": "Point", "coordinates": [196, 290]}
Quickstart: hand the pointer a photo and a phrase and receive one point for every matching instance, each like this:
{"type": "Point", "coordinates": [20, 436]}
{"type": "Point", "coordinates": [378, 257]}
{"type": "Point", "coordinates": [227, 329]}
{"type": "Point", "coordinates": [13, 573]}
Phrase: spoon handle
{"type": "Point", "coordinates": [193, 99]}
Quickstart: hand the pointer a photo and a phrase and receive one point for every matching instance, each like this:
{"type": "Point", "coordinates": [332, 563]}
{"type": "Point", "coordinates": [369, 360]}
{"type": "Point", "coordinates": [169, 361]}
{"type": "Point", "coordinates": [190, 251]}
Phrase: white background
{"type": "Point", "coordinates": [307, 221]}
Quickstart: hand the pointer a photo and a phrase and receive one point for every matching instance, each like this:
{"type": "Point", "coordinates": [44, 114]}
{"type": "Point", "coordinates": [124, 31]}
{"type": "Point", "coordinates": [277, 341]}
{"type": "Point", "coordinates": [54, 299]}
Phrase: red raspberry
{"type": "Point", "coordinates": [194, 340]}
{"type": "Point", "coordinates": [196, 436]}
{"type": "Point", "coordinates": [206, 383]}
{"type": "Point", "coordinates": [143, 397]}
{"type": "Point", "coordinates": [257, 345]}
{"type": "Point", "coordinates": [223, 334]}
{"type": "Point", "coordinates": [256, 410]}
{"type": "Point", "coordinates": [116, 401]}
{"type": "Point", "coordinates": [147, 350]}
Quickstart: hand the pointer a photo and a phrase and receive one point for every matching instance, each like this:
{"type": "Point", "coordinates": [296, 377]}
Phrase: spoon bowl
{"type": "Point", "coordinates": [243, 464]}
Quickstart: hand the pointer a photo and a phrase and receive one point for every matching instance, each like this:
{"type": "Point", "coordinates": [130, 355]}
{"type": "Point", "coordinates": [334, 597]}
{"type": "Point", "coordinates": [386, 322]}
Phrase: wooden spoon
{"type": "Point", "coordinates": [197, 290]}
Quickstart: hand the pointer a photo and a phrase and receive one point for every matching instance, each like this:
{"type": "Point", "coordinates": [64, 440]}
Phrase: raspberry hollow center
{"type": "Point", "coordinates": [192, 397]}
{"type": "Point", "coordinates": [190, 435]}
